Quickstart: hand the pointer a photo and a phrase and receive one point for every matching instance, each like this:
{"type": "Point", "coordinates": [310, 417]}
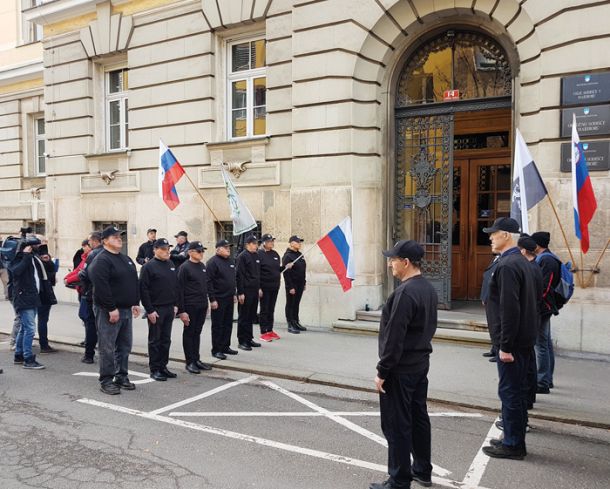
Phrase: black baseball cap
{"type": "Point", "coordinates": [161, 243]}
{"type": "Point", "coordinates": [111, 231]}
{"type": "Point", "coordinates": [222, 243]}
{"type": "Point", "coordinates": [507, 224]}
{"type": "Point", "coordinates": [196, 245]}
{"type": "Point", "coordinates": [296, 238]}
{"type": "Point", "coordinates": [252, 239]}
{"type": "Point", "coordinates": [542, 238]}
{"type": "Point", "coordinates": [406, 248]}
{"type": "Point", "coordinates": [267, 237]}
{"type": "Point", "coordinates": [182, 233]}
{"type": "Point", "coordinates": [527, 243]}
{"type": "Point", "coordinates": [151, 230]}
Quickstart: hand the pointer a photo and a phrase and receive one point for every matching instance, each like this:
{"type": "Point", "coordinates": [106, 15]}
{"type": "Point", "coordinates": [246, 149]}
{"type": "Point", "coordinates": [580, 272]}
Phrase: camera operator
{"type": "Point", "coordinates": [28, 276]}
{"type": "Point", "coordinates": [4, 274]}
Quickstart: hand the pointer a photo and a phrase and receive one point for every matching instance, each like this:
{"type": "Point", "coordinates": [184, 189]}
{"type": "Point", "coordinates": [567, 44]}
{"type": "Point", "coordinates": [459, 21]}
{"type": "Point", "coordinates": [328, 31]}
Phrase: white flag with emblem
{"type": "Point", "coordinates": [240, 214]}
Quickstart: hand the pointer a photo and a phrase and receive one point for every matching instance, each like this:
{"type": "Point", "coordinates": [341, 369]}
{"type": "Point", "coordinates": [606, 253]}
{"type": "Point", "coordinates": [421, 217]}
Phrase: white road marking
{"type": "Point", "coordinates": [343, 422]}
{"type": "Point", "coordinates": [260, 441]}
{"type": "Point", "coordinates": [266, 414]}
{"type": "Point", "coordinates": [475, 473]}
{"type": "Point", "coordinates": [146, 380]}
{"type": "Point", "coordinates": [204, 395]}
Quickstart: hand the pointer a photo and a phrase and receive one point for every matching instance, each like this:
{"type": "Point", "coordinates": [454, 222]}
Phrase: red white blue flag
{"type": "Point", "coordinates": [170, 171]}
{"type": "Point", "coordinates": [338, 249]}
{"type": "Point", "coordinates": [583, 196]}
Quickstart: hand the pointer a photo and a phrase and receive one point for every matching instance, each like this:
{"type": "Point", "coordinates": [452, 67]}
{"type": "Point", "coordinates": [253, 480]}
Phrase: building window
{"type": "Point", "coordinates": [121, 225]}
{"type": "Point", "coordinates": [117, 122]}
{"type": "Point", "coordinates": [31, 32]}
{"type": "Point", "coordinates": [38, 227]}
{"type": "Point", "coordinates": [247, 88]}
{"type": "Point", "coordinates": [226, 232]}
{"type": "Point", "coordinates": [39, 148]}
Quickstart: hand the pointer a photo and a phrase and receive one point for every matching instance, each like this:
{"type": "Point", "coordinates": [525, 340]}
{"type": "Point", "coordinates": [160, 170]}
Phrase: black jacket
{"type": "Point", "coordinates": [86, 290]}
{"type": "Point", "coordinates": [158, 284]}
{"type": "Point", "coordinates": [194, 285]}
{"type": "Point", "coordinates": [295, 277]}
{"type": "Point", "coordinates": [487, 277]}
{"type": "Point", "coordinates": [271, 269]}
{"type": "Point", "coordinates": [221, 272]}
{"type": "Point", "coordinates": [512, 308]}
{"type": "Point", "coordinates": [25, 293]}
{"type": "Point", "coordinates": [551, 275]}
{"type": "Point", "coordinates": [536, 272]}
{"type": "Point", "coordinates": [115, 281]}
{"type": "Point", "coordinates": [145, 251]}
{"type": "Point", "coordinates": [248, 272]}
{"type": "Point", "coordinates": [179, 254]}
{"type": "Point", "coordinates": [408, 323]}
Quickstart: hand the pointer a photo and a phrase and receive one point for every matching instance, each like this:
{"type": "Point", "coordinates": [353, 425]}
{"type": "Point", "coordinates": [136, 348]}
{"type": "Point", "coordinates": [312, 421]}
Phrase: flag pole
{"type": "Point", "coordinates": [302, 255]}
{"type": "Point", "coordinates": [601, 255]}
{"type": "Point", "coordinates": [204, 201]}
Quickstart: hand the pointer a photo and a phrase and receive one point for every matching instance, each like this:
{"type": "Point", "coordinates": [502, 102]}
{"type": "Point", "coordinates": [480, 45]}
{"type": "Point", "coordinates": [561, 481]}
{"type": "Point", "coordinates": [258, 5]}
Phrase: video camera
{"type": "Point", "coordinates": [13, 245]}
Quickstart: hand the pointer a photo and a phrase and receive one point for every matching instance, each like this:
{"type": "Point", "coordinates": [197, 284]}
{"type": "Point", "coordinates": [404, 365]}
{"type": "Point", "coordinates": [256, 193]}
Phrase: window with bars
{"type": "Point", "coordinates": [226, 232]}
{"type": "Point", "coordinates": [247, 88]}
{"type": "Point", "coordinates": [38, 227]}
{"type": "Point", "coordinates": [121, 225]}
{"type": "Point", "coordinates": [117, 121]}
{"type": "Point", "coordinates": [40, 146]}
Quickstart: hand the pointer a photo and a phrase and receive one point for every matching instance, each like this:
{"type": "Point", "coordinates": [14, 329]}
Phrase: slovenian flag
{"type": "Point", "coordinates": [528, 187]}
{"type": "Point", "coordinates": [338, 249]}
{"type": "Point", "coordinates": [583, 196]}
{"type": "Point", "coordinates": [170, 171]}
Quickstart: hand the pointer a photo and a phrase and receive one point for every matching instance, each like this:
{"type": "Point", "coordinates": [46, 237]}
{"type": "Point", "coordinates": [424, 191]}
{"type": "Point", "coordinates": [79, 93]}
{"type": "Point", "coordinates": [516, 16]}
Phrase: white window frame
{"type": "Point", "coordinates": [248, 76]}
{"type": "Point", "coordinates": [122, 97]}
{"type": "Point", "coordinates": [30, 31]}
{"type": "Point", "coordinates": [39, 137]}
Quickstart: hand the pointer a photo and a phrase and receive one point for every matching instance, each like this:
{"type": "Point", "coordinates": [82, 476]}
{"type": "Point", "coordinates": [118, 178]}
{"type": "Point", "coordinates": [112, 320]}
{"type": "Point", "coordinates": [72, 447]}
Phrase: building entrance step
{"type": "Point", "coordinates": [471, 320]}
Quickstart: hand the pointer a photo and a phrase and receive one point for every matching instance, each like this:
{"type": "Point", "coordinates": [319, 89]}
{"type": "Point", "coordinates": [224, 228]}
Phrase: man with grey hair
{"type": "Point", "coordinates": [512, 312]}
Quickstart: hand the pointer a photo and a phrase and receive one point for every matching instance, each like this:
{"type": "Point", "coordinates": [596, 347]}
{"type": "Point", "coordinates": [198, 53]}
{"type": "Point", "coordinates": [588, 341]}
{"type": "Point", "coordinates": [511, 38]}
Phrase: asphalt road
{"type": "Point", "coordinates": [228, 430]}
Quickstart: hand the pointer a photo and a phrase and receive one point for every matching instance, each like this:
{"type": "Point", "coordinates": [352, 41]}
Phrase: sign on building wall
{"type": "Point", "coordinates": [593, 88]}
{"type": "Point", "coordinates": [591, 120]}
{"type": "Point", "coordinates": [597, 154]}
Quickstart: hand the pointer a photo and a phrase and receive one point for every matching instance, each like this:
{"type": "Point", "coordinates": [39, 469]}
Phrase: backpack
{"type": "Point", "coordinates": [565, 287]}
{"type": "Point", "coordinates": [9, 250]}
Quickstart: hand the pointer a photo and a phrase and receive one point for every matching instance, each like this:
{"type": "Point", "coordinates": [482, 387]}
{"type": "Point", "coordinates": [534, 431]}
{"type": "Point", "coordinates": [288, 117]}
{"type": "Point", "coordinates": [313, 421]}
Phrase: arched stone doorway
{"type": "Point", "coordinates": [453, 171]}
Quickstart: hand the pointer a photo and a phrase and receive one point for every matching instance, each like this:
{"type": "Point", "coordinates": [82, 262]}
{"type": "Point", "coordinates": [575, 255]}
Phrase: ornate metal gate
{"type": "Point", "coordinates": [423, 193]}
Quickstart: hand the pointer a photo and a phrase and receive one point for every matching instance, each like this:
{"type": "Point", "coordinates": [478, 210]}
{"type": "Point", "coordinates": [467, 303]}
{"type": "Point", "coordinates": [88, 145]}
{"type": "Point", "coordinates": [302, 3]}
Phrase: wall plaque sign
{"type": "Point", "coordinates": [592, 88]}
{"type": "Point", "coordinates": [591, 120]}
{"type": "Point", "coordinates": [597, 155]}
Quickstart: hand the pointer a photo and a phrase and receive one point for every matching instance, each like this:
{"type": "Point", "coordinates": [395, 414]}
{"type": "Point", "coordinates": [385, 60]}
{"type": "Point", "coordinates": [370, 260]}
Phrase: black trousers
{"type": "Point", "coordinates": [265, 318]}
{"type": "Point", "coordinates": [532, 379]}
{"type": "Point", "coordinates": [88, 317]}
{"type": "Point", "coordinates": [406, 426]}
{"type": "Point", "coordinates": [160, 338]}
{"type": "Point", "coordinates": [292, 304]}
{"type": "Point", "coordinates": [222, 324]}
{"type": "Point", "coordinates": [191, 334]}
{"type": "Point", "coordinates": [246, 315]}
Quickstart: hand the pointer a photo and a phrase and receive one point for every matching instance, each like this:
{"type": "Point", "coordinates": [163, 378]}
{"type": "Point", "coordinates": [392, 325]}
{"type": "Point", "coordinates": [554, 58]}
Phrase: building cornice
{"type": "Point", "coordinates": [58, 10]}
{"type": "Point", "coordinates": [25, 71]}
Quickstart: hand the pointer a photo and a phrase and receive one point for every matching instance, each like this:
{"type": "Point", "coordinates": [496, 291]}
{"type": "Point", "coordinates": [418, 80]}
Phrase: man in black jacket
{"type": "Point", "coordinates": [248, 292]}
{"type": "Point", "coordinates": [295, 283]}
{"type": "Point", "coordinates": [159, 294]}
{"type": "Point", "coordinates": [179, 252]}
{"type": "Point", "coordinates": [551, 275]}
{"type": "Point", "coordinates": [115, 303]}
{"type": "Point", "coordinates": [221, 271]}
{"type": "Point", "coordinates": [513, 315]}
{"type": "Point", "coordinates": [408, 323]}
{"type": "Point", "coordinates": [145, 252]}
{"type": "Point", "coordinates": [86, 310]}
{"type": "Point", "coordinates": [193, 292]}
{"type": "Point", "coordinates": [44, 310]}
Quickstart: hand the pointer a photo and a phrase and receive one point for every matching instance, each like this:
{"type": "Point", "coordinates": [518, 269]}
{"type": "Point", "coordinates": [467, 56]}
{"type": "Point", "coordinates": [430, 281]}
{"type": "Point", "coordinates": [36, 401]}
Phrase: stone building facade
{"type": "Point", "coordinates": [399, 113]}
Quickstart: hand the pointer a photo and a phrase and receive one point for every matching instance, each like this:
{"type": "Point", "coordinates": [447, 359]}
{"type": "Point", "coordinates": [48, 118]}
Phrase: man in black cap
{"type": "Point", "coordinates": [159, 293]}
{"type": "Point", "coordinates": [193, 292]}
{"type": "Point", "coordinates": [295, 283]}
{"type": "Point", "coordinates": [512, 311]}
{"type": "Point", "coordinates": [115, 301]}
{"type": "Point", "coordinates": [492, 353]}
{"type": "Point", "coordinates": [248, 292]}
{"type": "Point", "coordinates": [180, 252]}
{"type": "Point", "coordinates": [271, 275]}
{"type": "Point", "coordinates": [222, 294]}
{"type": "Point", "coordinates": [145, 252]}
{"type": "Point", "coordinates": [551, 275]}
{"type": "Point", "coordinates": [408, 323]}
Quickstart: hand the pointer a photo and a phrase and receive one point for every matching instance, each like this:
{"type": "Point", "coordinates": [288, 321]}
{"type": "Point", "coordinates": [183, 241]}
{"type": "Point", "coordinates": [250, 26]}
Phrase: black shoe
{"type": "Point", "coordinates": [18, 360]}
{"type": "Point", "coordinates": [33, 365]}
{"type": "Point", "coordinates": [422, 480]}
{"type": "Point", "coordinates": [244, 346]}
{"type": "Point", "coordinates": [229, 351]}
{"type": "Point", "coordinates": [158, 376]}
{"type": "Point", "coordinates": [192, 368]}
{"type": "Point", "coordinates": [48, 349]}
{"type": "Point", "coordinates": [500, 425]}
{"type": "Point", "coordinates": [220, 355]}
{"type": "Point", "coordinates": [299, 326]}
{"type": "Point", "coordinates": [87, 359]}
{"type": "Point", "coordinates": [203, 366]}
{"type": "Point", "coordinates": [543, 390]}
{"type": "Point", "coordinates": [293, 329]}
{"type": "Point", "coordinates": [489, 354]}
{"type": "Point", "coordinates": [493, 359]}
{"type": "Point", "coordinates": [551, 386]}
{"type": "Point", "coordinates": [498, 442]}
{"type": "Point", "coordinates": [382, 485]}
{"type": "Point", "coordinates": [168, 374]}
{"type": "Point", "coordinates": [254, 344]}
{"type": "Point", "coordinates": [124, 383]}
{"type": "Point", "coordinates": [503, 451]}
{"type": "Point", "coordinates": [110, 388]}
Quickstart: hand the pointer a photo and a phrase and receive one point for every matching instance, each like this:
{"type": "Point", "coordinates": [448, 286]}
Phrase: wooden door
{"type": "Point", "coordinates": [481, 194]}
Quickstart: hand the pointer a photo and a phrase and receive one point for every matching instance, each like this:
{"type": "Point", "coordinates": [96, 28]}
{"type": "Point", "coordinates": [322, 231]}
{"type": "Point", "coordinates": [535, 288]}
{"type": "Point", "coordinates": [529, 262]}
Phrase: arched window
{"type": "Point", "coordinates": [470, 62]}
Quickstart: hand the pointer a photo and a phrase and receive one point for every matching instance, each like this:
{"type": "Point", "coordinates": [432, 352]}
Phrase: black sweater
{"type": "Point", "coordinates": [193, 285]}
{"type": "Point", "coordinates": [248, 272]}
{"type": "Point", "coordinates": [271, 269]}
{"type": "Point", "coordinates": [145, 251]}
{"type": "Point", "coordinates": [295, 277]}
{"type": "Point", "coordinates": [221, 272]}
{"type": "Point", "coordinates": [408, 323]}
{"type": "Point", "coordinates": [158, 284]}
{"type": "Point", "coordinates": [512, 308]}
{"type": "Point", "coordinates": [115, 281]}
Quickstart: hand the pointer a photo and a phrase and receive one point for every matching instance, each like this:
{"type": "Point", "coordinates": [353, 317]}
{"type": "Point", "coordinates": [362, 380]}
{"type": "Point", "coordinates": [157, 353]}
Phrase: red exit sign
{"type": "Point", "coordinates": [451, 95]}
